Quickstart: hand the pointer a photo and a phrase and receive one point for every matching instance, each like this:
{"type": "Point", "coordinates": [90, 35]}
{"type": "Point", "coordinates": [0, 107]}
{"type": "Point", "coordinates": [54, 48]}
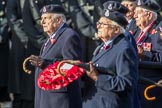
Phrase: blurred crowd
{"type": "Point", "coordinates": [21, 35]}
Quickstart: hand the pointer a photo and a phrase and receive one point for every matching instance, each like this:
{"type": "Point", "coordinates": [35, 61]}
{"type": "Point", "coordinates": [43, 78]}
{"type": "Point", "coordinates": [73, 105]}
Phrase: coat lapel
{"type": "Point", "coordinates": [97, 50]}
{"type": "Point", "coordinates": [145, 37]}
{"type": "Point", "coordinates": [100, 54]}
{"type": "Point", "coordinates": [41, 50]}
{"type": "Point", "coordinates": [115, 41]}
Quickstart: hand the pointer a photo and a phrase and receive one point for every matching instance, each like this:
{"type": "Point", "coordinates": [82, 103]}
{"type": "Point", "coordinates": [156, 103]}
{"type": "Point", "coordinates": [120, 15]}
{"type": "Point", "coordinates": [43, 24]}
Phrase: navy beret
{"type": "Point", "coordinates": [52, 9]}
{"type": "Point", "coordinates": [116, 17]}
{"type": "Point", "coordinates": [115, 6]}
{"type": "Point", "coordinates": [149, 4]}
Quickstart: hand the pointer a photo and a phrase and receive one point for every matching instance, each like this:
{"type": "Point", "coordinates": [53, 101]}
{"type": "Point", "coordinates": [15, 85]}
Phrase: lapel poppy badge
{"type": "Point", "coordinates": [52, 41]}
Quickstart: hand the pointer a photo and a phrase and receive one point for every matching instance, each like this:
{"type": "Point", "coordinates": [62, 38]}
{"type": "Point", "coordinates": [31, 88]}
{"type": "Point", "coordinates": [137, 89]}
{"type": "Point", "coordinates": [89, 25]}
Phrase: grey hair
{"type": "Point", "coordinates": [122, 30]}
{"type": "Point", "coordinates": [155, 15]}
{"type": "Point", "coordinates": [60, 15]}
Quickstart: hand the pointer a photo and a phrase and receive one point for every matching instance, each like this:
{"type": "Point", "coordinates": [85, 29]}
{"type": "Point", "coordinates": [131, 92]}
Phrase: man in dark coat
{"type": "Point", "coordinates": [149, 45]}
{"type": "Point", "coordinates": [146, 17]}
{"type": "Point", "coordinates": [20, 84]}
{"type": "Point", "coordinates": [4, 56]}
{"type": "Point", "coordinates": [28, 37]}
{"type": "Point", "coordinates": [120, 90]}
{"type": "Point", "coordinates": [62, 43]}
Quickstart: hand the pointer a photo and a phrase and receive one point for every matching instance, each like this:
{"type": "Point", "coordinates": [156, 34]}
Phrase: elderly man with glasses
{"type": "Point", "coordinates": [117, 54]}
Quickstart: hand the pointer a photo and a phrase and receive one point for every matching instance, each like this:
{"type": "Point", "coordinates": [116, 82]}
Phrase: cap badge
{"type": "Point", "coordinates": [110, 7]}
{"type": "Point", "coordinates": [107, 13]}
{"type": "Point", "coordinates": [44, 9]}
{"type": "Point", "coordinates": [139, 2]}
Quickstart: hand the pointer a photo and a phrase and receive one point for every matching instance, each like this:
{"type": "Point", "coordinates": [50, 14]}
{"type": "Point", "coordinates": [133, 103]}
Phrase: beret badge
{"type": "Point", "coordinates": [107, 13]}
{"type": "Point", "coordinates": [139, 2]}
{"type": "Point", "coordinates": [44, 9]}
{"type": "Point", "coordinates": [110, 7]}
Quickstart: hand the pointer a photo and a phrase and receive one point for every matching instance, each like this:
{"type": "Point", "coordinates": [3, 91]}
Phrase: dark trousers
{"type": "Point", "coordinates": [22, 103]}
{"type": "Point", "coordinates": [4, 95]}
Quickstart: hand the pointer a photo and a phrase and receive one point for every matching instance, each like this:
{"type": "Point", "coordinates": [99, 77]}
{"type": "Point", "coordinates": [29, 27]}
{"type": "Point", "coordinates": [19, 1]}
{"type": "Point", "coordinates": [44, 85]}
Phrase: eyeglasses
{"type": "Point", "coordinates": [102, 24]}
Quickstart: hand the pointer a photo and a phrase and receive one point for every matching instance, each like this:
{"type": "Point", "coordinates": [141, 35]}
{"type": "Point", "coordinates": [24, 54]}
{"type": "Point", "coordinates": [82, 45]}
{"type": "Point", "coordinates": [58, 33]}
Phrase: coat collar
{"type": "Point", "coordinates": [98, 55]}
{"type": "Point", "coordinates": [147, 33]}
{"type": "Point", "coordinates": [49, 46]}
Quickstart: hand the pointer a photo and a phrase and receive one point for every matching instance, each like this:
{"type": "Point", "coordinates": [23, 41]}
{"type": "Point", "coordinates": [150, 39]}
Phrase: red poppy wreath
{"type": "Point", "coordinates": [59, 75]}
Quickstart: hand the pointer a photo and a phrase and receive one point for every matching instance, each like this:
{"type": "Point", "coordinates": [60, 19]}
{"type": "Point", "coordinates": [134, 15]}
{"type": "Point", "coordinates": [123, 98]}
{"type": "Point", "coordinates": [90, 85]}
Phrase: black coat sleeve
{"type": "Point", "coordinates": [15, 21]}
{"type": "Point", "coordinates": [32, 26]}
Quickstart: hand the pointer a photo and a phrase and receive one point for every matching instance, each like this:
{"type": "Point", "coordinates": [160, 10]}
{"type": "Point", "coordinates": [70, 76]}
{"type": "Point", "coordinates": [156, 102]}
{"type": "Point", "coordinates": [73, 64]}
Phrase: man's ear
{"type": "Point", "coordinates": [150, 14]}
{"type": "Point", "coordinates": [117, 30]}
{"type": "Point", "coordinates": [59, 20]}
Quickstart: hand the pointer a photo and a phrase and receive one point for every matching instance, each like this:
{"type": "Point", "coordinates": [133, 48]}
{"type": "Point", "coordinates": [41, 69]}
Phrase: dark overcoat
{"type": "Point", "coordinates": [19, 44]}
{"type": "Point", "coordinates": [4, 44]}
{"type": "Point", "coordinates": [66, 46]}
{"type": "Point", "coordinates": [152, 73]}
{"type": "Point", "coordinates": [153, 36]}
{"type": "Point", "coordinates": [28, 37]}
{"type": "Point", "coordinates": [150, 37]}
{"type": "Point", "coordinates": [119, 91]}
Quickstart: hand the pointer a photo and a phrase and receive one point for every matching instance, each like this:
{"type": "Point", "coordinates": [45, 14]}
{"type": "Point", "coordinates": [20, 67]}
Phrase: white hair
{"type": "Point", "coordinates": [122, 30]}
{"type": "Point", "coordinates": [154, 14]}
{"type": "Point", "coordinates": [60, 15]}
